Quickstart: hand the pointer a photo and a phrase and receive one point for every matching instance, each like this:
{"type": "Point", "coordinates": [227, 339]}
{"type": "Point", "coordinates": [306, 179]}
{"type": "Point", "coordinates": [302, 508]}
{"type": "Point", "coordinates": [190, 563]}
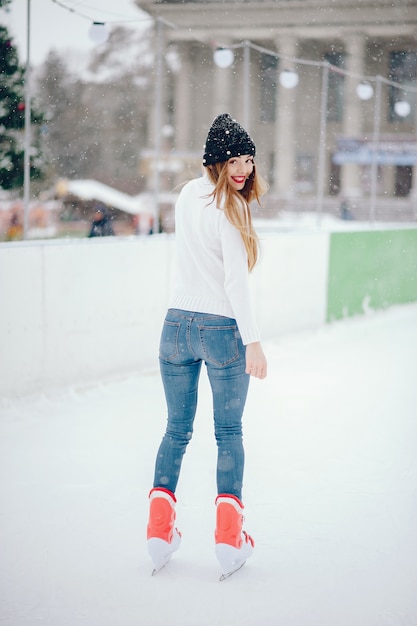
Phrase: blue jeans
{"type": "Point", "coordinates": [187, 340]}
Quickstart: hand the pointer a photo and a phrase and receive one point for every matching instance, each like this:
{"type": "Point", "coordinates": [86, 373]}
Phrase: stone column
{"type": "Point", "coordinates": [285, 147]}
{"type": "Point", "coordinates": [182, 97]}
{"type": "Point", "coordinates": [353, 117]}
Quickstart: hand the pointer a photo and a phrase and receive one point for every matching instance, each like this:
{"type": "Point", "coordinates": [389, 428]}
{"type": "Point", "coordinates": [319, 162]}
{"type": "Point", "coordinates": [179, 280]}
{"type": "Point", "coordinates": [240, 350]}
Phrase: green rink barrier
{"type": "Point", "coordinates": [371, 270]}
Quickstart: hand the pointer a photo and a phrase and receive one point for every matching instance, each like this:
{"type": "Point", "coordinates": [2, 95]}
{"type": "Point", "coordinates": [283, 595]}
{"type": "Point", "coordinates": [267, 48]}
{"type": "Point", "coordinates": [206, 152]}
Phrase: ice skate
{"type": "Point", "coordinates": [163, 538]}
{"type": "Point", "coordinates": [233, 545]}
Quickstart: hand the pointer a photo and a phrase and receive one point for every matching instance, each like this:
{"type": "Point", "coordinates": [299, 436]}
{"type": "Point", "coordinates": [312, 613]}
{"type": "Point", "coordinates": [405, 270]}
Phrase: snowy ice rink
{"type": "Point", "coordinates": [330, 493]}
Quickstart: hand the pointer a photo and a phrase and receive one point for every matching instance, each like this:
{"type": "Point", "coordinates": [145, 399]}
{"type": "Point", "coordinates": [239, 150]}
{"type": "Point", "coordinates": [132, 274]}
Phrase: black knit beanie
{"type": "Point", "coordinates": [226, 139]}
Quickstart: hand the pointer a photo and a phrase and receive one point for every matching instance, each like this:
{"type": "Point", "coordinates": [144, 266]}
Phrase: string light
{"type": "Point", "coordinates": [289, 79]}
{"type": "Point", "coordinates": [223, 57]}
{"type": "Point", "coordinates": [98, 32]}
{"type": "Point", "coordinates": [402, 108]}
{"type": "Point", "coordinates": [364, 91]}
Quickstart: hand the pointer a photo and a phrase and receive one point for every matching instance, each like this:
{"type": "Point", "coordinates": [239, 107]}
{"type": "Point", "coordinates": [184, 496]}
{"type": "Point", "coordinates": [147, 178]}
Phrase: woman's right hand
{"type": "Point", "coordinates": [256, 364]}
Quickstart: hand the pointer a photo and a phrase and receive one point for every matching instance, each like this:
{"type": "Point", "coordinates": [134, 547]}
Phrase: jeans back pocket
{"type": "Point", "coordinates": [219, 344]}
{"type": "Point", "coordinates": [168, 347]}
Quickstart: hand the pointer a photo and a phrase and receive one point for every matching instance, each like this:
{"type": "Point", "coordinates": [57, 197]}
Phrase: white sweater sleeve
{"type": "Point", "coordinates": [236, 281]}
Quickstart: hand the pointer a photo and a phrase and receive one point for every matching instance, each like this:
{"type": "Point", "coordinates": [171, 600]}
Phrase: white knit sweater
{"type": "Point", "coordinates": [211, 269]}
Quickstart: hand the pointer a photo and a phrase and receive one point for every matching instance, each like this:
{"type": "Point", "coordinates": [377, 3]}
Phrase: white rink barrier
{"type": "Point", "coordinates": [79, 311]}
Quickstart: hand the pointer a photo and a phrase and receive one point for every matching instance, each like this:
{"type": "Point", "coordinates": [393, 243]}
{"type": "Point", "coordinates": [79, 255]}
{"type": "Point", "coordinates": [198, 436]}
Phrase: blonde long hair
{"type": "Point", "coordinates": [236, 204]}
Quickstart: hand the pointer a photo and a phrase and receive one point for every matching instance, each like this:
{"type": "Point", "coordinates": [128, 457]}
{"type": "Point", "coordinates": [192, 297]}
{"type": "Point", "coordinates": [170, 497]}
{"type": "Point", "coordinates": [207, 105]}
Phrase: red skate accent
{"type": "Point", "coordinates": [229, 521]}
{"type": "Point", "coordinates": [161, 515]}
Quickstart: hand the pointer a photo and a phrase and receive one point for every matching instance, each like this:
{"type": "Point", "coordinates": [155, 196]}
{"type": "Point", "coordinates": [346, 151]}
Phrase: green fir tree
{"type": "Point", "coordinates": [12, 117]}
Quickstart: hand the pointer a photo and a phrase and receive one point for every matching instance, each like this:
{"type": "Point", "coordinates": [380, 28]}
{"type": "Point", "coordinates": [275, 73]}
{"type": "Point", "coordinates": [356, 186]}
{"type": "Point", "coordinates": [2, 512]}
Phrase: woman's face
{"type": "Point", "coordinates": [238, 170]}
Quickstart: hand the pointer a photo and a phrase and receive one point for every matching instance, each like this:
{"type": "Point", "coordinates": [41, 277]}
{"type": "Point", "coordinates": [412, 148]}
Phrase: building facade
{"type": "Point", "coordinates": [290, 71]}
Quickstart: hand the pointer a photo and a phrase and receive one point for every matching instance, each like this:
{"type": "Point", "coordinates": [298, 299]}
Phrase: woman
{"type": "Point", "coordinates": [210, 319]}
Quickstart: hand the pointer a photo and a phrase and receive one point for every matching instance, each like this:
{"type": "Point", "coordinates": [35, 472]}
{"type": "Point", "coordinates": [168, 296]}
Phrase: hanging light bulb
{"type": "Point", "coordinates": [98, 32]}
{"type": "Point", "coordinates": [223, 57]}
{"type": "Point", "coordinates": [289, 79]}
{"type": "Point", "coordinates": [364, 91]}
{"type": "Point", "coordinates": [402, 108]}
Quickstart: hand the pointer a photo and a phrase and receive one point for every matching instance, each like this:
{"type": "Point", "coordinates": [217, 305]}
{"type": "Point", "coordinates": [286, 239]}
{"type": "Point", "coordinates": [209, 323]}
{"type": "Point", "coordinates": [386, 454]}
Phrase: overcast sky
{"type": "Point", "coordinates": [54, 27]}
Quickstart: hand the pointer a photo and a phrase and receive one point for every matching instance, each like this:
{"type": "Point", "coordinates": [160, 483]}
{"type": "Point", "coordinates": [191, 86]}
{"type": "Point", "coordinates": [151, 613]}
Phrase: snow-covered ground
{"type": "Point", "coordinates": [330, 493]}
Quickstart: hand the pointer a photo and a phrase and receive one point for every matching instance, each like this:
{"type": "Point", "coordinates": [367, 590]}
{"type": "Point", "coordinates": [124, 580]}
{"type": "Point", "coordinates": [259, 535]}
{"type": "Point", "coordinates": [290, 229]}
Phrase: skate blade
{"type": "Point", "coordinates": [225, 576]}
{"type": "Point", "coordinates": [158, 569]}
